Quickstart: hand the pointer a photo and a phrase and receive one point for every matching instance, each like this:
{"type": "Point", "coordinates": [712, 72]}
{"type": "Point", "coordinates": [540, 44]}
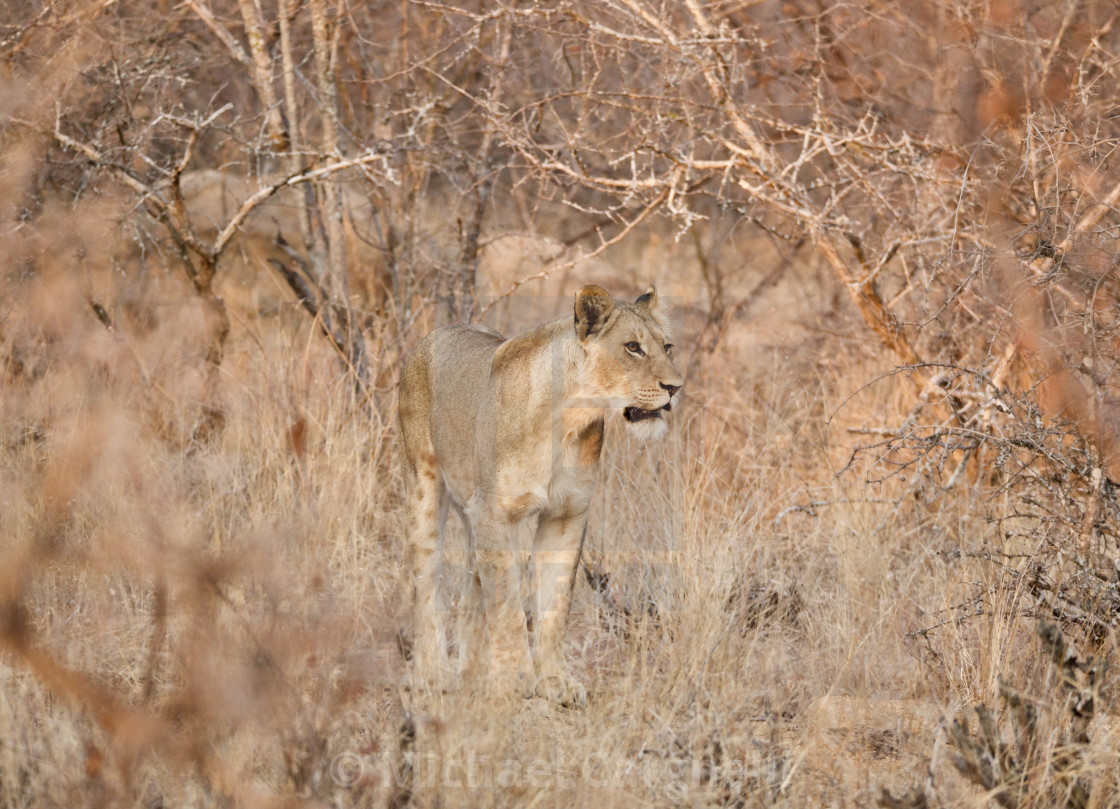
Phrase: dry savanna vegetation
{"type": "Point", "coordinates": [877, 558]}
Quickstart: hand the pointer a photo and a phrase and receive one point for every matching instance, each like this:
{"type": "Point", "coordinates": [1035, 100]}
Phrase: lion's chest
{"type": "Point", "coordinates": [558, 480]}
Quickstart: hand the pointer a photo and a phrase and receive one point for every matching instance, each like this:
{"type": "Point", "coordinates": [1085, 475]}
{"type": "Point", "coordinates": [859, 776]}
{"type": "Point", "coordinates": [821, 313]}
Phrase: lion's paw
{"type": "Point", "coordinates": [562, 689]}
{"type": "Point", "coordinates": [435, 681]}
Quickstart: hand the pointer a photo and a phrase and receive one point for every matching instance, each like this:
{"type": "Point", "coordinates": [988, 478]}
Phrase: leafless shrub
{"type": "Point", "coordinates": [1012, 773]}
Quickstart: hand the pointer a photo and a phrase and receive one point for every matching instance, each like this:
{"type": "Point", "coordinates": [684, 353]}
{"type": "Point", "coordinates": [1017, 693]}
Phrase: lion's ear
{"type": "Point", "coordinates": [649, 299]}
{"type": "Point", "coordinates": [593, 306]}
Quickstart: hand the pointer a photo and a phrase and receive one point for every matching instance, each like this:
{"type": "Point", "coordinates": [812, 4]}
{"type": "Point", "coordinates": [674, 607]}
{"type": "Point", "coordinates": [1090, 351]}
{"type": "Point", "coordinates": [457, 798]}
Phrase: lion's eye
{"type": "Point", "coordinates": [635, 348]}
{"type": "Point", "coordinates": [669, 349]}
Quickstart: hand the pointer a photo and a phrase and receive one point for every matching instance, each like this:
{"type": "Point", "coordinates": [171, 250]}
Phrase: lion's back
{"type": "Point", "coordinates": [444, 387]}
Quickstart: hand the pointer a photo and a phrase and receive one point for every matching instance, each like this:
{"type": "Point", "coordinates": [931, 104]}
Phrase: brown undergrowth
{"type": "Point", "coordinates": [211, 617]}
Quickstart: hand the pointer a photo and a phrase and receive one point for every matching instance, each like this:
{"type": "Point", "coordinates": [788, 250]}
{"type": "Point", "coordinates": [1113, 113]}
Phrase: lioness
{"type": "Point", "coordinates": [510, 430]}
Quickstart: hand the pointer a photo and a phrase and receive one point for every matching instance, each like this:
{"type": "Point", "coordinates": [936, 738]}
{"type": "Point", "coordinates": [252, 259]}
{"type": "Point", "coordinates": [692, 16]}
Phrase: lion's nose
{"type": "Point", "coordinates": [671, 388]}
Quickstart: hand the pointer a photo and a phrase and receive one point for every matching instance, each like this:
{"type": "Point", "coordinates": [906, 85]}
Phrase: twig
{"type": "Point", "coordinates": [229, 40]}
{"type": "Point", "coordinates": [567, 265]}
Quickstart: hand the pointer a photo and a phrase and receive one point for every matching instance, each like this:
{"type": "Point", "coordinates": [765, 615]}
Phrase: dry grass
{"type": "Point", "coordinates": [208, 616]}
{"type": "Point", "coordinates": [200, 567]}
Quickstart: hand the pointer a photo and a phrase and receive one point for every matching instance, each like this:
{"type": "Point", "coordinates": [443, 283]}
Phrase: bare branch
{"type": "Point", "coordinates": [204, 13]}
{"type": "Point", "coordinates": [560, 266]}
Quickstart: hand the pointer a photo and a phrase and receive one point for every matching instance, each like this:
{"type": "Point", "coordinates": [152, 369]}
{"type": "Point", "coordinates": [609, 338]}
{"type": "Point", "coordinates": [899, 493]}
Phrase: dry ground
{"type": "Point", "coordinates": [209, 617]}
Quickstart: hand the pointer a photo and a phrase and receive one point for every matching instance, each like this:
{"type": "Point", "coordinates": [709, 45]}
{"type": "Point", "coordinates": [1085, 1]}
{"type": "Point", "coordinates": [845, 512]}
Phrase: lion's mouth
{"type": "Point", "coordinates": [635, 414]}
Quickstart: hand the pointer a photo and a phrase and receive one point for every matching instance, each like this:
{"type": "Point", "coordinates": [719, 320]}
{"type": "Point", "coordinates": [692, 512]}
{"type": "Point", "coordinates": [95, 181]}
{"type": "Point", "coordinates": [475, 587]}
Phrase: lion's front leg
{"type": "Point", "coordinates": [499, 578]}
{"type": "Point", "coordinates": [556, 551]}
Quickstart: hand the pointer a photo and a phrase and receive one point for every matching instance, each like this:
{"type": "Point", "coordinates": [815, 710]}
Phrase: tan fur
{"type": "Point", "coordinates": [509, 433]}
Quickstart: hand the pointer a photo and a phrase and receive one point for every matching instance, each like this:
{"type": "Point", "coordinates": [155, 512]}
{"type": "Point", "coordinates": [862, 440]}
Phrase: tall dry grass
{"type": "Point", "coordinates": [209, 617]}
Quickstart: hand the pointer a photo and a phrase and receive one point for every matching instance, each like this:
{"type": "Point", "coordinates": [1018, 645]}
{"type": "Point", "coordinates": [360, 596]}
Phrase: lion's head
{"type": "Point", "coordinates": [628, 363]}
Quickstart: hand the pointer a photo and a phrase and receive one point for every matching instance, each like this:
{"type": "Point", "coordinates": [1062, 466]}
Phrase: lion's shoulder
{"type": "Point", "coordinates": [520, 354]}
